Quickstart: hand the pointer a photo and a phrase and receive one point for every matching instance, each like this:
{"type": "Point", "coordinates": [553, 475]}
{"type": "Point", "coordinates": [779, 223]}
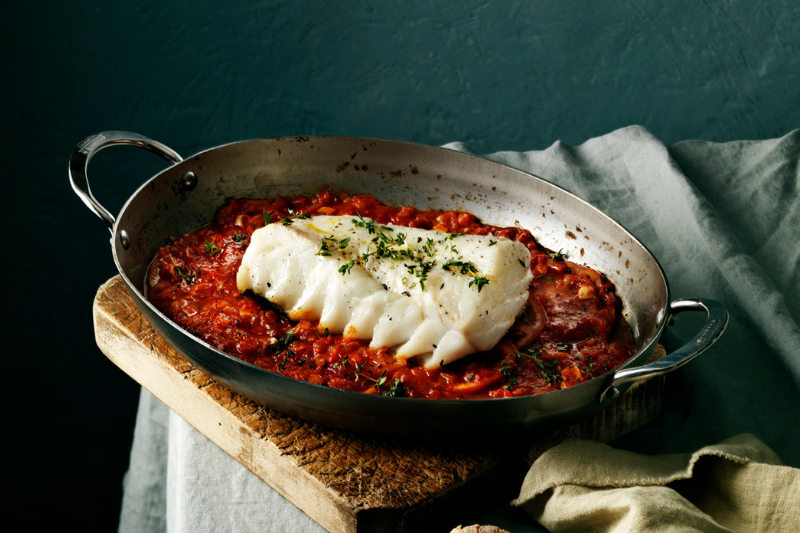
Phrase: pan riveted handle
{"type": "Point", "coordinates": [716, 322]}
{"type": "Point", "coordinates": [91, 145]}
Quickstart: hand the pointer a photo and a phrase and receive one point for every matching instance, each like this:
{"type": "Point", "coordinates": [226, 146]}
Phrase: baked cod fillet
{"type": "Point", "coordinates": [423, 293]}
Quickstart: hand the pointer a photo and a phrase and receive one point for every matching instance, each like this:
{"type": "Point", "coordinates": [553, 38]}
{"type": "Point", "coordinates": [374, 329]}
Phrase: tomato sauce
{"type": "Point", "coordinates": [193, 282]}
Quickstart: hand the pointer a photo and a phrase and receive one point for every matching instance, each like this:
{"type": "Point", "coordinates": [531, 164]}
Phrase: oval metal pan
{"type": "Point", "coordinates": [397, 173]}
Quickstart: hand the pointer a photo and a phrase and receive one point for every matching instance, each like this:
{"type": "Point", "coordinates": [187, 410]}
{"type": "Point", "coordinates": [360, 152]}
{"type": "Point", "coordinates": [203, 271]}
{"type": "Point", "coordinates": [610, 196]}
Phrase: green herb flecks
{"type": "Point", "coordinates": [286, 221]}
{"type": "Point", "coordinates": [286, 340]}
{"type": "Point", "coordinates": [186, 275]}
{"type": "Point", "coordinates": [369, 225]}
{"type": "Point", "coordinates": [478, 282]}
{"type": "Point", "coordinates": [347, 267]}
{"type": "Point", "coordinates": [464, 267]}
{"type": "Point", "coordinates": [211, 248]}
{"type": "Point", "coordinates": [395, 390]}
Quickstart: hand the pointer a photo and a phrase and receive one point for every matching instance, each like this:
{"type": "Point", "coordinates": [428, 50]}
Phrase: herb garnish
{"type": "Point", "coordinates": [286, 221]}
{"type": "Point", "coordinates": [479, 282]}
{"type": "Point", "coordinates": [287, 340]}
{"type": "Point", "coordinates": [395, 390]}
{"type": "Point", "coordinates": [185, 276]}
{"type": "Point", "coordinates": [465, 267]}
{"type": "Point", "coordinates": [361, 223]}
{"type": "Point", "coordinates": [212, 248]}
{"type": "Point", "coordinates": [347, 267]}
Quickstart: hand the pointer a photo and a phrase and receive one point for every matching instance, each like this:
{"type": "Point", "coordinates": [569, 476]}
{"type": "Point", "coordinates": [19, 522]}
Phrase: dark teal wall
{"type": "Point", "coordinates": [496, 74]}
{"type": "Point", "coordinates": [499, 75]}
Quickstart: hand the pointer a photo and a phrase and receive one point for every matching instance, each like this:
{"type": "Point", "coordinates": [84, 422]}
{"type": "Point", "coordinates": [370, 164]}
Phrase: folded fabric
{"type": "Point", "coordinates": [737, 485]}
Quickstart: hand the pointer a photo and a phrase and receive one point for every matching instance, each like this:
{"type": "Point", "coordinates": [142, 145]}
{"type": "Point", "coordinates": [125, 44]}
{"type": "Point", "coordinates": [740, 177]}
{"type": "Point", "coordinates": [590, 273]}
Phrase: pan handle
{"type": "Point", "coordinates": [91, 145]}
{"type": "Point", "coordinates": [716, 322]}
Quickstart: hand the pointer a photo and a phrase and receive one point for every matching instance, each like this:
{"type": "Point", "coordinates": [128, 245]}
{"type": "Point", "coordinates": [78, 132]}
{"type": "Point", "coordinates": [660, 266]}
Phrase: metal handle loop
{"type": "Point", "coordinates": [716, 322]}
{"type": "Point", "coordinates": [83, 153]}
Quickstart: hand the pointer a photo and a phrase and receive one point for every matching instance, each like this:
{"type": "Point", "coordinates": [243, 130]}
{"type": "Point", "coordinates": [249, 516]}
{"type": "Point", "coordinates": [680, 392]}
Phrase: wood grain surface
{"type": "Point", "coordinates": [345, 482]}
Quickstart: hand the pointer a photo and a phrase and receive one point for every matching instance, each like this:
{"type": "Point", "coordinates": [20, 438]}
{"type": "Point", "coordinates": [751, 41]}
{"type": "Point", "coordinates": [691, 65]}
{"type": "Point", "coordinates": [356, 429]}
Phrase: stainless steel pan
{"type": "Point", "coordinates": [187, 194]}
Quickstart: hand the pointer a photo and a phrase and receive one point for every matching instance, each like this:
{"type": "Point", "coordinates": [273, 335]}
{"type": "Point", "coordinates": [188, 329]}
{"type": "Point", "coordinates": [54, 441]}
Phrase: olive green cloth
{"type": "Point", "coordinates": [738, 485]}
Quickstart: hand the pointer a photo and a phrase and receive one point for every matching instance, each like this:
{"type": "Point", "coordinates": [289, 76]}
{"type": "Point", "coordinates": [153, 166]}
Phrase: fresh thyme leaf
{"type": "Point", "coordinates": [361, 223]}
{"type": "Point", "coordinates": [479, 282]}
{"type": "Point", "coordinates": [239, 237]}
{"type": "Point", "coordinates": [346, 268]}
{"type": "Point", "coordinates": [323, 248]}
{"type": "Point", "coordinates": [511, 383]}
{"type": "Point", "coordinates": [469, 378]}
{"type": "Point", "coordinates": [358, 370]}
{"type": "Point", "coordinates": [212, 248]}
{"type": "Point", "coordinates": [395, 390]}
{"type": "Point", "coordinates": [287, 340]}
{"type": "Point", "coordinates": [268, 216]}
{"type": "Point", "coordinates": [428, 247]}
{"type": "Point", "coordinates": [185, 276]}
{"type": "Point", "coordinates": [464, 267]}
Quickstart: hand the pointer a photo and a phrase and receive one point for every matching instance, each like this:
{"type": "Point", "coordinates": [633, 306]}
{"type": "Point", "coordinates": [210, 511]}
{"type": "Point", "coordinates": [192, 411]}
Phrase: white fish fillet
{"type": "Point", "coordinates": [424, 293]}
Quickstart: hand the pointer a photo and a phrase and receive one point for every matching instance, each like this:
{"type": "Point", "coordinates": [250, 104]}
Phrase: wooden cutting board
{"type": "Point", "coordinates": [346, 483]}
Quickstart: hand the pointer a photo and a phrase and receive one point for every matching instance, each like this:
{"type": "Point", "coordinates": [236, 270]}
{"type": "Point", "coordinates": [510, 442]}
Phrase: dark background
{"type": "Point", "coordinates": [498, 75]}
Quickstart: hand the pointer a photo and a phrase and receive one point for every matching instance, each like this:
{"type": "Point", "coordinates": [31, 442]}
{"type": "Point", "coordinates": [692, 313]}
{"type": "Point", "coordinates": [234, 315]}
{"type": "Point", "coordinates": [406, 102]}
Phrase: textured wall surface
{"type": "Point", "coordinates": [498, 75]}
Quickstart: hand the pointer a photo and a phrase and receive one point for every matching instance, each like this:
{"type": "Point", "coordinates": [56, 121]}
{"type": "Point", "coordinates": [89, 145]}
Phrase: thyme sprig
{"type": "Point", "coordinates": [286, 221]}
{"type": "Point", "coordinates": [185, 274]}
{"type": "Point", "coordinates": [396, 389]}
{"type": "Point", "coordinates": [212, 248]}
